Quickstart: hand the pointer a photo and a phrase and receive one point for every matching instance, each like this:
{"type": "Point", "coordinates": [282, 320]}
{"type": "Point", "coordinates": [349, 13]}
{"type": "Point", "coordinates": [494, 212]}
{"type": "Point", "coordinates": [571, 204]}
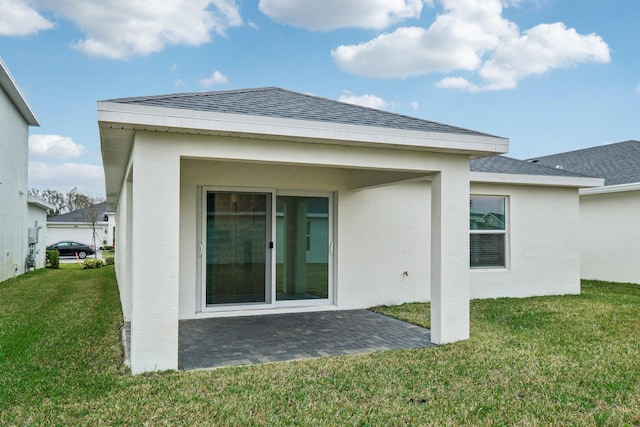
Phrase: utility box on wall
{"type": "Point", "coordinates": [33, 233]}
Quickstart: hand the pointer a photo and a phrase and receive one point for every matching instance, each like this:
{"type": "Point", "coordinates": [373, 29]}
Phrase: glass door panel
{"type": "Point", "coordinates": [237, 231]}
{"type": "Point", "coordinates": [302, 248]}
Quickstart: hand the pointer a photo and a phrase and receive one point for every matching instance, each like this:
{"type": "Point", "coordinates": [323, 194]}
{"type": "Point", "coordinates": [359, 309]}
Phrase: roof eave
{"type": "Point", "coordinates": [39, 203]}
{"type": "Point", "coordinates": [118, 123]}
{"type": "Point", "coordinates": [620, 188]}
{"type": "Point", "coordinates": [11, 88]}
{"type": "Point", "coordinates": [540, 180]}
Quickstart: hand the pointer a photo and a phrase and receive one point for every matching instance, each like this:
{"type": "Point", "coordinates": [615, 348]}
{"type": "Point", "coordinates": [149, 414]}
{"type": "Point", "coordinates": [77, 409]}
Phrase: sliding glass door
{"type": "Point", "coordinates": [263, 249]}
{"type": "Point", "coordinates": [302, 262]}
{"type": "Point", "coordinates": [238, 227]}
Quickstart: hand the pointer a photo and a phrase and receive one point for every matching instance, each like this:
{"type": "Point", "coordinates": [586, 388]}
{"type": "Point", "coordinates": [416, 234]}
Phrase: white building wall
{"type": "Point", "coordinates": [543, 240]}
{"type": "Point", "coordinates": [155, 276]}
{"type": "Point", "coordinates": [376, 230]}
{"type": "Point", "coordinates": [14, 133]}
{"type": "Point", "coordinates": [610, 236]}
{"type": "Point", "coordinates": [123, 263]}
{"type": "Point", "coordinates": [384, 245]}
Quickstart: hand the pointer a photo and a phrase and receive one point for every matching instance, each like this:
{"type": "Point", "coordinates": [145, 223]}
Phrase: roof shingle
{"type": "Point", "coordinates": [281, 103]}
{"type": "Point", "coordinates": [508, 165]}
{"type": "Point", "coordinates": [617, 163]}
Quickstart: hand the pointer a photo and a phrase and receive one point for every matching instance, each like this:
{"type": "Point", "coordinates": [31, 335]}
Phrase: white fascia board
{"type": "Point", "coordinates": [8, 83]}
{"type": "Point", "coordinates": [542, 180]}
{"type": "Point", "coordinates": [172, 119]}
{"type": "Point", "coordinates": [634, 186]}
{"type": "Point", "coordinates": [39, 203]}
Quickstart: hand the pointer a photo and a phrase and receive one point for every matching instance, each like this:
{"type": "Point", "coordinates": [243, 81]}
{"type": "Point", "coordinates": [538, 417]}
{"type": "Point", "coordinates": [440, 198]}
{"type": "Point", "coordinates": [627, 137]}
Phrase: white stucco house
{"type": "Point", "coordinates": [609, 215]}
{"type": "Point", "coordinates": [257, 201]}
{"type": "Point", "coordinates": [22, 218]}
{"type": "Point", "coordinates": [74, 226]}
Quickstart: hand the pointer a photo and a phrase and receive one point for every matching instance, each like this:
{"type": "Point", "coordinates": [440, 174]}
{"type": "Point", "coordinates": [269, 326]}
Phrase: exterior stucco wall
{"type": "Point", "coordinates": [14, 133]}
{"type": "Point", "coordinates": [376, 237]}
{"type": "Point", "coordinates": [610, 236]}
{"type": "Point", "coordinates": [544, 253]}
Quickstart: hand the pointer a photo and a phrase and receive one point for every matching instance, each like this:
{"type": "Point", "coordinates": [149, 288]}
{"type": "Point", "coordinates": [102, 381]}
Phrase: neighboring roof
{"type": "Point", "coordinates": [11, 88]}
{"type": "Point", "coordinates": [281, 103]}
{"type": "Point", "coordinates": [503, 164]}
{"type": "Point", "coordinates": [508, 170]}
{"type": "Point", "coordinates": [78, 215]}
{"type": "Point", "coordinates": [617, 163]}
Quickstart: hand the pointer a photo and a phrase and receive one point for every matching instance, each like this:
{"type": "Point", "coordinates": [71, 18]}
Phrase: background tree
{"type": "Point", "coordinates": [55, 198]}
{"type": "Point", "coordinates": [90, 213]}
{"type": "Point", "coordinates": [64, 202]}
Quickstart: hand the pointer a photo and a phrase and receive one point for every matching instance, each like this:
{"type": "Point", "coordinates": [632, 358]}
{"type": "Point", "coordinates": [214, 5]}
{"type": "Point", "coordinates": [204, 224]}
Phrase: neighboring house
{"type": "Point", "coordinates": [22, 245]}
{"type": "Point", "coordinates": [76, 226]}
{"type": "Point", "coordinates": [259, 201]}
{"type": "Point", "coordinates": [609, 225]}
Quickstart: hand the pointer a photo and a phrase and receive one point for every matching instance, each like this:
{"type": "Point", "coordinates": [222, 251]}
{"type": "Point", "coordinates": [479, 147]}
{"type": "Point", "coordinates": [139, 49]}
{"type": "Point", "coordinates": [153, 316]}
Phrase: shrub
{"type": "Point", "coordinates": [53, 259]}
{"type": "Point", "coordinates": [109, 260]}
{"type": "Point", "coordinates": [108, 248]}
{"type": "Point", "coordinates": [92, 263]}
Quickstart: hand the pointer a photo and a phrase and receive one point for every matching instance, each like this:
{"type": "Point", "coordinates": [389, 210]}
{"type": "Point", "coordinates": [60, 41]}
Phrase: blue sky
{"type": "Point", "coordinates": [551, 75]}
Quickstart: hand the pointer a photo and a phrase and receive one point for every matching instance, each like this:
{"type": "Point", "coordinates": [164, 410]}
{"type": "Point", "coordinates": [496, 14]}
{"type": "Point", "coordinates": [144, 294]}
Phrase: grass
{"type": "Point", "coordinates": [571, 360]}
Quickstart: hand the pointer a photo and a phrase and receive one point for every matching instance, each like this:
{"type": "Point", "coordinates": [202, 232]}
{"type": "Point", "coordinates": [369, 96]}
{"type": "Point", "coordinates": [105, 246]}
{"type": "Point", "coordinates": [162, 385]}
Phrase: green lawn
{"type": "Point", "coordinates": [571, 360]}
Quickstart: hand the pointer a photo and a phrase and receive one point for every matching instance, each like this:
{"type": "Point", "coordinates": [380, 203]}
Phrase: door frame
{"type": "Point", "coordinates": [201, 249]}
{"type": "Point", "coordinates": [330, 255]}
{"type": "Point", "coordinates": [270, 262]}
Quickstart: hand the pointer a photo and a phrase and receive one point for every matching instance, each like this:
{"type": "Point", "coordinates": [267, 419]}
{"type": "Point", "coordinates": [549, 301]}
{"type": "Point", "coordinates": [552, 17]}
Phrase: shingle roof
{"type": "Point", "coordinates": [78, 215]}
{"type": "Point", "coordinates": [617, 163]}
{"type": "Point", "coordinates": [281, 103]}
{"type": "Point", "coordinates": [507, 165]}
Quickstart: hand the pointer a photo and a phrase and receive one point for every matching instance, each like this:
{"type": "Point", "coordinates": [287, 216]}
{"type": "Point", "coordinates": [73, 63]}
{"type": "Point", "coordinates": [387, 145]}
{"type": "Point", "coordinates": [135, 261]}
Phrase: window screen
{"type": "Point", "coordinates": [488, 232]}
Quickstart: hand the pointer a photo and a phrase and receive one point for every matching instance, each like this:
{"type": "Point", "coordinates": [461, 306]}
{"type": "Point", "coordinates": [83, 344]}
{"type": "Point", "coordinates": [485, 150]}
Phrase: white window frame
{"type": "Point", "coordinates": [505, 232]}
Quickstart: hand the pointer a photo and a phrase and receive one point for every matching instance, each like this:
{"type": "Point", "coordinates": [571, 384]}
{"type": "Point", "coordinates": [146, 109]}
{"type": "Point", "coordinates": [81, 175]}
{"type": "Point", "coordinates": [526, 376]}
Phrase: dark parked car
{"type": "Point", "coordinates": [72, 248]}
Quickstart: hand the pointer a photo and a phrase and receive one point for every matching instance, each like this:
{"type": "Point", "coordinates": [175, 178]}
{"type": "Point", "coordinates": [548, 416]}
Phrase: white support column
{"type": "Point", "coordinates": [450, 253]}
{"type": "Point", "coordinates": [155, 257]}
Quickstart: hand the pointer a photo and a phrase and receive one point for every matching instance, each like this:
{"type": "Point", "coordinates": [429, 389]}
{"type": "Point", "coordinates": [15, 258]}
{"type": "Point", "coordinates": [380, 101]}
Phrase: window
{"type": "Point", "coordinates": [488, 232]}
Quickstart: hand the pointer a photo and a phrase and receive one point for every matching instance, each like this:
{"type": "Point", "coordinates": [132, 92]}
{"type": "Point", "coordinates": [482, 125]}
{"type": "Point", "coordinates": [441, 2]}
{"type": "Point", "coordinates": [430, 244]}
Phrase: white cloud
{"type": "Point", "coordinates": [370, 101]}
{"type": "Point", "coordinates": [121, 29]}
{"type": "Point", "coordinates": [216, 78]}
{"type": "Point", "coordinates": [18, 18]}
{"type": "Point", "coordinates": [89, 179]}
{"type": "Point", "coordinates": [327, 15]}
{"type": "Point", "coordinates": [53, 147]}
{"type": "Point", "coordinates": [472, 36]}
{"type": "Point", "coordinates": [414, 105]}
{"type": "Point", "coordinates": [179, 83]}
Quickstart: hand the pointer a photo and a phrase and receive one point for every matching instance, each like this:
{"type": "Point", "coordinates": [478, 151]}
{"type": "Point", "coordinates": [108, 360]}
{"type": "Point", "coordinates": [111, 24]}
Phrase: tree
{"type": "Point", "coordinates": [64, 202]}
{"type": "Point", "coordinates": [53, 197]}
{"type": "Point", "coordinates": [91, 214]}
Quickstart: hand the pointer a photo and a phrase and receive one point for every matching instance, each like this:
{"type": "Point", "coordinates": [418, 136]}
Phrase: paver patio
{"type": "Point", "coordinates": [216, 342]}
